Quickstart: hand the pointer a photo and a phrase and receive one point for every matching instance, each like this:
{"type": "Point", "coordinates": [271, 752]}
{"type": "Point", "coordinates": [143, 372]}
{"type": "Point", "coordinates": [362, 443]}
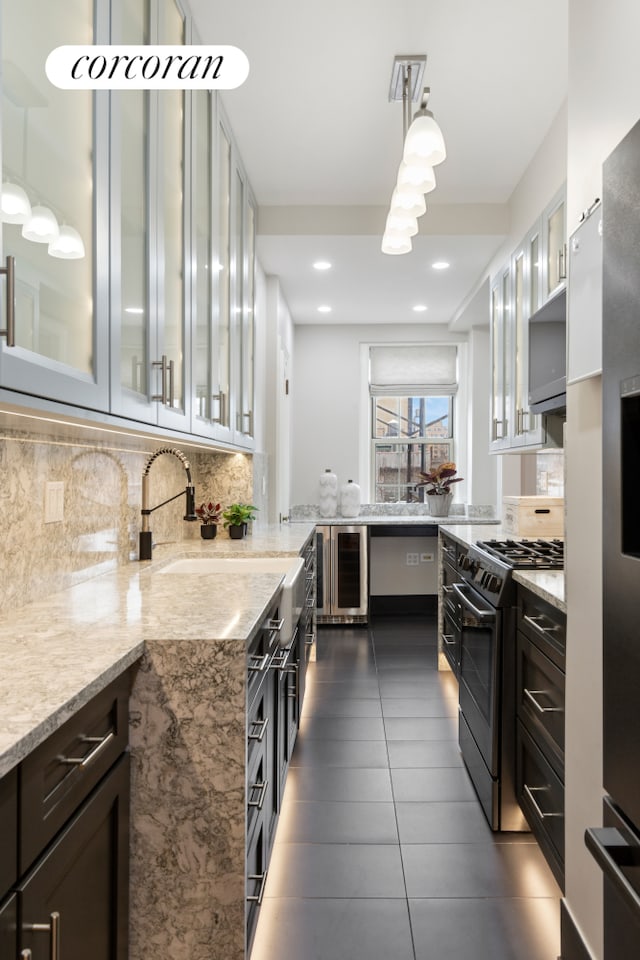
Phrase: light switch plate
{"type": "Point", "coordinates": [54, 501]}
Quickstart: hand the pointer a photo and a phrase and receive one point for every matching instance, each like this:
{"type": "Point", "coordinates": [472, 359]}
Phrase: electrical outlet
{"type": "Point", "coordinates": [426, 558]}
{"type": "Point", "coordinates": [54, 501]}
{"type": "Point", "coordinates": [413, 559]}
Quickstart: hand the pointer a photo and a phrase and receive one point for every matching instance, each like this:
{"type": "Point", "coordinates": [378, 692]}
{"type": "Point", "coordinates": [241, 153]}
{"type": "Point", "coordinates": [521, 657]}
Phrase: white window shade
{"type": "Point", "coordinates": [418, 370]}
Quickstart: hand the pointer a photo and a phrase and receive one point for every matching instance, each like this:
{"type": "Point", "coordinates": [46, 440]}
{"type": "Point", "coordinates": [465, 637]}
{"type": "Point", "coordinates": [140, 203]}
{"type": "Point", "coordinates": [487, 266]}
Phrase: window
{"type": "Point", "coordinates": [412, 421]}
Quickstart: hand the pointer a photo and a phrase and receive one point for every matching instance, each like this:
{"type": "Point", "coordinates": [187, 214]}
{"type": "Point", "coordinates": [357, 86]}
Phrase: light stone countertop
{"type": "Point", "coordinates": [398, 519]}
{"type": "Point", "coordinates": [59, 652]}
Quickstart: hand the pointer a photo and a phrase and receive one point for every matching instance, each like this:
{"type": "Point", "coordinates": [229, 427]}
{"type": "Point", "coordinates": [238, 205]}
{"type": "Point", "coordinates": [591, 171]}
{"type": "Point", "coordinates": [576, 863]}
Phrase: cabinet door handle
{"type": "Point", "coordinates": [276, 625]}
{"type": "Point", "coordinates": [261, 786]}
{"type": "Point", "coordinates": [309, 638]}
{"type": "Point", "coordinates": [612, 850]}
{"type": "Point", "coordinates": [162, 396]}
{"type": "Point", "coordinates": [446, 590]}
{"type": "Point", "coordinates": [530, 696]}
{"type": "Point", "coordinates": [222, 408]}
{"type": "Point", "coordinates": [449, 639]}
{"type": "Point", "coordinates": [293, 670]}
{"type": "Point", "coordinates": [536, 623]}
{"type": "Point", "coordinates": [169, 400]}
{"type": "Point", "coordinates": [10, 273]}
{"type": "Point", "coordinates": [260, 664]}
{"type": "Point", "coordinates": [248, 416]}
{"type": "Point", "coordinates": [53, 929]}
{"type": "Point", "coordinates": [263, 726]}
{"type": "Point", "coordinates": [84, 762]}
{"type": "Point", "coordinates": [530, 794]}
{"type": "Point", "coordinates": [261, 878]}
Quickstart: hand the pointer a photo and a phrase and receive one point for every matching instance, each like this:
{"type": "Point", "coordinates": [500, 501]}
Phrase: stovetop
{"type": "Point", "coordinates": [527, 554]}
{"type": "Point", "coordinates": [489, 564]}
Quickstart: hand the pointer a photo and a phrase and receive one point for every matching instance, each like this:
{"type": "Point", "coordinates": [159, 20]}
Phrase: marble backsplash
{"type": "Point", "coordinates": [102, 494]}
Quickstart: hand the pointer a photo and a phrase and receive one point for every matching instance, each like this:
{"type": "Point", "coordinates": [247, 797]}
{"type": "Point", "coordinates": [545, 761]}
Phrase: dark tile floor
{"type": "Point", "coordinates": [382, 851]}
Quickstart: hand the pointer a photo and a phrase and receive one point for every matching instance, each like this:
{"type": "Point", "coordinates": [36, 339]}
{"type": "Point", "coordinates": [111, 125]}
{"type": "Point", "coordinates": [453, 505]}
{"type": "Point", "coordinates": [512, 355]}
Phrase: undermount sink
{"type": "Point", "coordinates": [292, 599]}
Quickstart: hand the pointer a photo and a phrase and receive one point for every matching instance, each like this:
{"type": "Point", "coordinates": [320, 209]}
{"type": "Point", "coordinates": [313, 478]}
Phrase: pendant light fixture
{"type": "Point", "coordinates": [423, 149]}
{"type": "Point", "coordinates": [15, 206]}
{"type": "Point", "coordinates": [42, 226]}
{"type": "Point", "coordinates": [68, 245]}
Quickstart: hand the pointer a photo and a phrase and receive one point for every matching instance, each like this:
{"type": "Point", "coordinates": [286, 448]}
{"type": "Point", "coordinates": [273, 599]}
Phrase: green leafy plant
{"type": "Point", "coordinates": [439, 480]}
{"type": "Point", "coordinates": [209, 513]}
{"type": "Point", "coordinates": [238, 513]}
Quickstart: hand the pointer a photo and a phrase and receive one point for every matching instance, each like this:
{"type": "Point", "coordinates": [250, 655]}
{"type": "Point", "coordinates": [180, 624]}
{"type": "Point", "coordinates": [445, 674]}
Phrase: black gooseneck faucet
{"type": "Point", "coordinates": [146, 543]}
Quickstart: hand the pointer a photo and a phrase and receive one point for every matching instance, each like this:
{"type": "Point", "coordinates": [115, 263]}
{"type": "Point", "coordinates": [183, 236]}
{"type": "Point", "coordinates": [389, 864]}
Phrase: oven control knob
{"type": "Point", "coordinates": [494, 584]}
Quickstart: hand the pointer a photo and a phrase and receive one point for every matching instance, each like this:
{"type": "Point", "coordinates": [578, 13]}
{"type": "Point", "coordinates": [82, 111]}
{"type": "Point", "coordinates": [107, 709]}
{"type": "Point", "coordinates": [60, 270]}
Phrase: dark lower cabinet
{"type": "Point", "coordinates": [74, 902]}
{"type": "Point", "coordinates": [8, 924]}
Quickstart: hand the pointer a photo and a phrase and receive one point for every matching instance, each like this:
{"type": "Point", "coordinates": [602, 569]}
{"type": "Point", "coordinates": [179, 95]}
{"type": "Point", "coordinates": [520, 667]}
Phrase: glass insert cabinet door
{"type": "Point", "coordinates": [57, 176]}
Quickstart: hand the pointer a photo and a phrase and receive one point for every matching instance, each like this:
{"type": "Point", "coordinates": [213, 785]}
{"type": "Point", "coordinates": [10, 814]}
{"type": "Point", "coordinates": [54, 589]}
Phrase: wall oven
{"type": "Point", "coordinates": [486, 621]}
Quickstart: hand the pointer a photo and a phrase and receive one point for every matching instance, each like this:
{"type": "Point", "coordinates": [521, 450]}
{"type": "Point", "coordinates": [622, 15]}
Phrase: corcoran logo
{"type": "Point", "coordinates": [147, 67]}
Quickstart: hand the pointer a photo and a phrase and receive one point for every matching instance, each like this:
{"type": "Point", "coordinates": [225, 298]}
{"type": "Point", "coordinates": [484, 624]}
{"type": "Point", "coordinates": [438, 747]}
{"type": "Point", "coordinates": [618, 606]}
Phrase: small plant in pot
{"type": "Point", "coordinates": [210, 516]}
{"type": "Point", "coordinates": [236, 518]}
{"type": "Point", "coordinates": [437, 484]}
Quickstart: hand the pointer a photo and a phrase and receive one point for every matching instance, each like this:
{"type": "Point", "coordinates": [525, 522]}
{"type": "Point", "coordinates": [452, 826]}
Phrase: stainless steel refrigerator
{"type": "Point", "coordinates": [616, 847]}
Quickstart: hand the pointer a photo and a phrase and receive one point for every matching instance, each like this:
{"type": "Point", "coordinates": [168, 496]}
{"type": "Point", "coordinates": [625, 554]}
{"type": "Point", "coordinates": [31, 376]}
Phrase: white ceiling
{"type": "Point", "coordinates": [321, 142]}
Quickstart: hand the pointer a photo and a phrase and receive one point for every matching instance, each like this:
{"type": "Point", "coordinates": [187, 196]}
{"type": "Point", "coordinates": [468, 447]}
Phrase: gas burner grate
{"type": "Point", "coordinates": [527, 554]}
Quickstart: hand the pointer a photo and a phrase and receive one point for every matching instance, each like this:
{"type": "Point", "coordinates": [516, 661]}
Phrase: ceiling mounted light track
{"type": "Point", "coordinates": [423, 149]}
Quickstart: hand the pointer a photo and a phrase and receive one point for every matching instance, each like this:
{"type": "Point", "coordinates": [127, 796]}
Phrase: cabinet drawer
{"type": "Point", "coordinates": [60, 773]}
{"type": "Point", "coordinates": [540, 793]}
{"type": "Point", "coordinates": [540, 685]}
{"type": "Point", "coordinates": [544, 624]}
{"type": "Point", "coordinates": [8, 832]}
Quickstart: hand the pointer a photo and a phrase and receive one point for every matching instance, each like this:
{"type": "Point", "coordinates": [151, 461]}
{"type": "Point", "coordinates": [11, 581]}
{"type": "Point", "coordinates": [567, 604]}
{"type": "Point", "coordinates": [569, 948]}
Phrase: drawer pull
{"type": "Point", "coordinates": [281, 660]}
{"type": "Point", "coordinates": [309, 638]}
{"type": "Point", "coordinates": [276, 625]}
{"type": "Point", "coordinates": [263, 726]}
{"type": "Point", "coordinates": [536, 623]}
{"type": "Point", "coordinates": [53, 929]}
{"type": "Point", "coordinates": [311, 602]}
{"type": "Point", "coordinates": [529, 694]}
{"type": "Point", "coordinates": [293, 693]}
{"type": "Point", "coordinates": [449, 639]}
{"type": "Point", "coordinates": [261, 786]}
{"type": "Point", "coordinates": [446, 590]}
{"type": "Point", "coordinates": [100, 744]}
{"type": "Point", "coordinates": [530, 794]}
{"type": "Point", "coordinates": [261, 878]}
{"type": "Point", "coordinates": [261, 665]}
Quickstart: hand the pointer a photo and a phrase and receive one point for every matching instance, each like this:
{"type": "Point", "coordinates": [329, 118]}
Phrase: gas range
{"type": "Point", "coordinates": [489, 564]}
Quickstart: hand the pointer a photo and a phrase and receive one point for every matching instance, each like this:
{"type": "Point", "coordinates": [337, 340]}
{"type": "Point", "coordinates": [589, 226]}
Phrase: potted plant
{"type": "Point", "coordinates": [209, 514]}
{"type": "Point", "coordinates": [438, 483]}
{"type": "Point", "coordinates": [236, 518]}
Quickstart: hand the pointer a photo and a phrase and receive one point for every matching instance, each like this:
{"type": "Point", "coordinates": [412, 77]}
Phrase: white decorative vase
{"type": "Point", "coordinates": [328, 494]}
{"type": "Point", "coordinates": [439, 505]}
{"type": "Point", "coordinates": [350, 499]}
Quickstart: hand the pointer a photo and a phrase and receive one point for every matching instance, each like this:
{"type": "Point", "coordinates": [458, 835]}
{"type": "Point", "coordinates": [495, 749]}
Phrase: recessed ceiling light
{"type": "Point", "coordinates": [420, 308]}
{"type": "Point", "coordinates": [324, 308]}
{"type": "Point", "coordinates": [322, 265]}
{"type": "Point", "coordinates": [441, 265]}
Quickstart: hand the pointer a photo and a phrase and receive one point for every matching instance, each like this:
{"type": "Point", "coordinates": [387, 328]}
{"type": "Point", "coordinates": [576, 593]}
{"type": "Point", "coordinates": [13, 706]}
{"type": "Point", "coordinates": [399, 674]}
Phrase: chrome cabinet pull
{"type": "Point", "coordinates": [293, 670]}
{"type": "Point", "coordinates": [53, 929]}
{"type": "Point", "coordinates": [309, 638]}
{"type": "Point", "coordinates": [263, 726]}
{"type": "Point", "coordinates": [100, 744]}
{"type": "Point", "coordinates": [260, 878]}
{"type": "Point", "coordinates": [534, 803]}
{"type": "Point", "coordinates": [169, 400]}
{"type": "Point", "coordinates": [446, 590]}
{"type": "Point", "coordinates": [536, 623]}
{"type": "Point", "coordinates": [10, 273]}
{"type": "Point", "coordinates": [280, 660]}
{"type": "Point", "coordinates": [449, 639]}
{"type": "Point", "coordinates": [261, 663]}
{"type": "Point", "coordinates": [162, 396]}
{"type": "Point", "coordinates": [261, 786]}
{"type": "Point", "coordinates": [530, 696]}
{"type": "Point", "coordinates": [276, 625]}
{"type": "Point", "coordinates": [222, 408]}
{"type": "Point", "coordinates": [248, 416]}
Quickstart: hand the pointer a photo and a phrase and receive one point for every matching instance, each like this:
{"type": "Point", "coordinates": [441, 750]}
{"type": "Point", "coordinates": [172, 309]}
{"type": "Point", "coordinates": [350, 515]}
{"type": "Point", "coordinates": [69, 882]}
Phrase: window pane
{"type": "Point", "coordinates": [397, 468]}
{"type": "Point", "coordinates": [414, 417]}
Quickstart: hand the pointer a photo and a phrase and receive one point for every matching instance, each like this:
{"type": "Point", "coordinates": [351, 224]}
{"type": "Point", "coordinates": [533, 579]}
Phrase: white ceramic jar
{"type": "Point", "coordinates": [350, 499]}
{"type": "Point", "coordinates": [328, 494]}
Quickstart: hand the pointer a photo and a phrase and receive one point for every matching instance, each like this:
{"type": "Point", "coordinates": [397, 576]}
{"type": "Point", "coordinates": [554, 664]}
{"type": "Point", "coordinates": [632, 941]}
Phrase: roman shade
{"type": "Point", "coordinates": [416, 370]}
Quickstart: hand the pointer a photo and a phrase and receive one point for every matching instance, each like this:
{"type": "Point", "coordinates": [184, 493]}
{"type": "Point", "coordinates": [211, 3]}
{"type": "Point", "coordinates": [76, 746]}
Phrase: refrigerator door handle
{"type": "Point", "coordinates": [611, 850]}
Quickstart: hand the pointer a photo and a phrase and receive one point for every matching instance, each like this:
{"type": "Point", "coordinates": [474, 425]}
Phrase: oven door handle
{"type": "Point", "coordinates": [611, 850]}
{"type": "Point", "coordinates": [483, 615]}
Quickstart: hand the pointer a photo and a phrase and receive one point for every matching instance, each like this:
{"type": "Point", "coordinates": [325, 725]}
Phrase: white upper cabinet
{"type": "Point", "coordinates": [55, 153]}
{"type": "Point", "coordinates": [154, 322]}
{"type": "Point", "coordinates": [535, 272]}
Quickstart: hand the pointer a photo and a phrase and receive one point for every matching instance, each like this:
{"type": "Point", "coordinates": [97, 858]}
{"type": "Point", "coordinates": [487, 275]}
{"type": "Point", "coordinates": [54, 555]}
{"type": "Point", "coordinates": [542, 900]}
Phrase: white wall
{"type": "Point", "coordinates": [330, 409]}
{"type": "Point", "coordinates": [603, 104]}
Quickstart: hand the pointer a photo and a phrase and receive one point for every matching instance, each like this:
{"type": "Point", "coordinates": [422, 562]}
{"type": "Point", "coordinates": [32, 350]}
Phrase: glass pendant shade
{"type": "Point", "coordinates": [68, 245]}
{"type": "Point", "coordinates": [42, 226]}
{"type": "Point", "coordinates": [14, 204]}
{"type": "Point", "coordinates": [394, 244]}
{"type": "Point", "coordinates": [402, 223]}
{"type": "Point", "coordinates": [424, 142]}
{"type": "Point", "coordinates": [408, 201]}
{"type": "Point", "coordinates": [416, 176]}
